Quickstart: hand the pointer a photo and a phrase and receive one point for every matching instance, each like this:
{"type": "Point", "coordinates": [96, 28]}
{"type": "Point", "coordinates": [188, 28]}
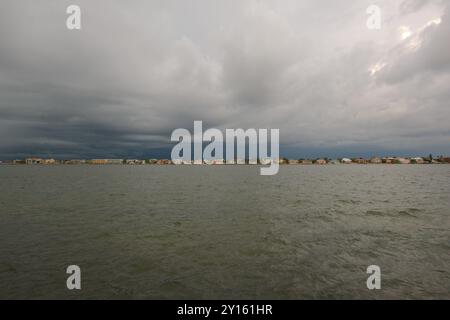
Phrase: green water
{"type": "Point", "coordinates": [223, 232]}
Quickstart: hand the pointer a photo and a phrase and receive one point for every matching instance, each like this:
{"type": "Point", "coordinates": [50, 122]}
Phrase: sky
{"type": "Point", "coordinates": [137, 70]}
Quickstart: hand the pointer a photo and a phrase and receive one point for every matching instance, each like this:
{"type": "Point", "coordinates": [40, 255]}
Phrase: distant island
{"type": "Point", "coordinates": [284, 161]}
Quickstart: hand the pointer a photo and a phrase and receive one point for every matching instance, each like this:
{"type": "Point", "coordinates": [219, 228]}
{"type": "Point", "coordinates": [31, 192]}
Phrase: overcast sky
{"type": "Point", "coordinates": [137, 70]}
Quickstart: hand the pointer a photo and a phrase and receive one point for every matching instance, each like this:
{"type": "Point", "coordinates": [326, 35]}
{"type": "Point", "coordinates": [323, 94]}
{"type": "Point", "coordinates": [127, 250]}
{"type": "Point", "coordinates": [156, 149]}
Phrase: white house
{"type": "Point", "coordinates": [346, 160]}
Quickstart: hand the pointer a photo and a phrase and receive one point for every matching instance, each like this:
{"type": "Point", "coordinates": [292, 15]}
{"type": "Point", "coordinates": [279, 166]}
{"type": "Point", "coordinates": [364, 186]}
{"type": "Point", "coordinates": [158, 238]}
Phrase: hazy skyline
{"type": "Point", "coordinates": [137, 70]}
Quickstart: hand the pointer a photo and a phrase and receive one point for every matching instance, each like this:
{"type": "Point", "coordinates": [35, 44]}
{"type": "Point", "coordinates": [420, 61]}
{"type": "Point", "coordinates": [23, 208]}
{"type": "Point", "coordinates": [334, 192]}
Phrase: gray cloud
{"type": "Point", "coordinates": [138, 70]}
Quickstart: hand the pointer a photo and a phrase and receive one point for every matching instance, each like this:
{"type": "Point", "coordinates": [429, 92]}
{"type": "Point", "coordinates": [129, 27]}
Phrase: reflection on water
{"type": "Point", "coordinates": [225, 231]}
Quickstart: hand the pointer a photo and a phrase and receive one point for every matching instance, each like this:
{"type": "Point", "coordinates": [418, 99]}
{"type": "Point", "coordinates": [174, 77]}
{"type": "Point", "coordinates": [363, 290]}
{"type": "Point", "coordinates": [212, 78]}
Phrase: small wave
{"type": "Point", "coordinates": [406, 213]}
{"type": "Point", "coordinates": [376, 213]}
{"type": "Point", "coordinates": [351, 201]}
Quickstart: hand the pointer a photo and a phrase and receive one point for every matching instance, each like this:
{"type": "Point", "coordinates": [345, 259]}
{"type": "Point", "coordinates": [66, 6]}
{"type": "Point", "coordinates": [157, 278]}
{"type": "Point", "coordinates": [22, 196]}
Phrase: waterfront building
{"type": "Point", "coordinates": [218, 161]}
{"type": "Point", "coordinates": [375, 160]}
{"type": "Point", "coordinates": [164, 161]}
{"type": "Point", "coordinates": [134, 161]}
{"type": "Point", "coordinates": [402, 161]}
{"type": "Point", "coordinates": [106, 161]}
{"type": "Point", "coordinates": [417, 160]}
{"type": "Point", "coordinates": [74, 161]}
{"type": "Point", "coordinates": [214, 161]}
{"type": "Point", "coordinates": [320, 161]}
{"type": "Point", "coordinates": [50, 161]}
{"type": "Point", "coordinates": [346, 160]}
{"type": "Point", "coordinates": [34, 161]}
{"type": "Point", "coordinates": [360, 161]}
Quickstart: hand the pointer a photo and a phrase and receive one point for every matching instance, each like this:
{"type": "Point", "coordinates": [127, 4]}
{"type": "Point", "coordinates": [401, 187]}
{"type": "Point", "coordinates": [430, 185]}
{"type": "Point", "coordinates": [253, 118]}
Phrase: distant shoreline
{"type": "Point", "coordinates": [282, 161]}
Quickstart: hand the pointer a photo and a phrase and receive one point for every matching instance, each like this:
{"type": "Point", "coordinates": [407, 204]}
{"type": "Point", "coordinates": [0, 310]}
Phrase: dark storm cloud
{"type": "Point", "coordinates": [138, 70]}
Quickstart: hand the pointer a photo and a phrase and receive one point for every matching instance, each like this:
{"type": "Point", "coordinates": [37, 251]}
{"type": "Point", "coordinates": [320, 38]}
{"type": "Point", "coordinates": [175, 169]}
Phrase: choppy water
{"type": "Point", "coordinates": [225, 231]}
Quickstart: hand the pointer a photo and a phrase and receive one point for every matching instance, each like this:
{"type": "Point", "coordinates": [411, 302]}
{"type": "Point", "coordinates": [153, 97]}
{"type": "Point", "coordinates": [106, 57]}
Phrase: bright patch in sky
{"type": "Point", "coordinates": [405, 32]}
{"type": "Point", "coordinates": [435, 21]}
{"type": "Point", "coordinates": [376, 67]}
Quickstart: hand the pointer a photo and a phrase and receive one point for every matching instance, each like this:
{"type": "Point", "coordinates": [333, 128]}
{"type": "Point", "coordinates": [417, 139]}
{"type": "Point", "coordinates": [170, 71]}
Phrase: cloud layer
{"type": "Point", "coordinates": [138, 70]}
